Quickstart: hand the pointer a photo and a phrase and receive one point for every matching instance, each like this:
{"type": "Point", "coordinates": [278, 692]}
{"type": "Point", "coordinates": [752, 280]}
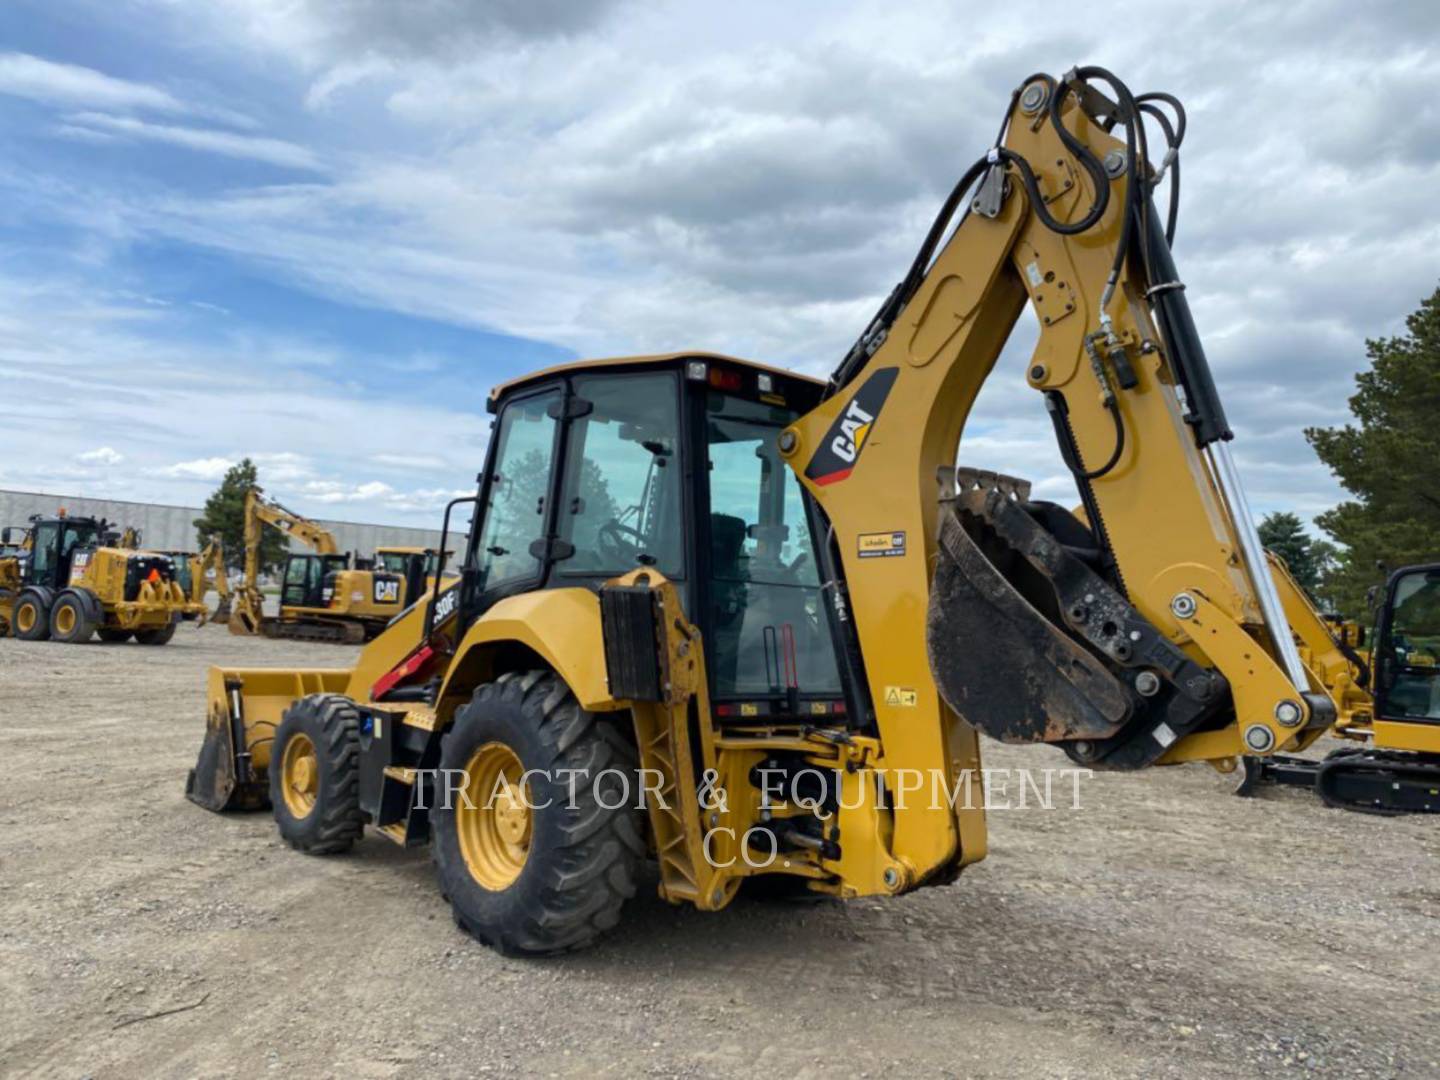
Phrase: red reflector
{"type": "Point", "coordinates": [725, 380]}
{"type": "Point", "coordinates": [838, 708]}
{"type": "Point", "coordinates": [724, 710]}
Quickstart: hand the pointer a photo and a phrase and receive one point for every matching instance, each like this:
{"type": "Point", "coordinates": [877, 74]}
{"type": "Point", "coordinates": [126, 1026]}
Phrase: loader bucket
{"type": "Point", "coordinates": [245, 707]}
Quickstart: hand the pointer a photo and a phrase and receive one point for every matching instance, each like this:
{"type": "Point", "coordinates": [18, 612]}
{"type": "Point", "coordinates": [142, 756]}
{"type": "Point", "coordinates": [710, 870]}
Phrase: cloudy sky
{"type": "Point", "coordinates": [316, 231]}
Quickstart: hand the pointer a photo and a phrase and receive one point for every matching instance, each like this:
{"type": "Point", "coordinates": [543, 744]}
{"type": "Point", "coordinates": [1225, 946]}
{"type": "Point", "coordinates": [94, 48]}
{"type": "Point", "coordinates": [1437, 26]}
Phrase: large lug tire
{"type": "Point", "coordinates": [315, 775]}
{"type": "Point", "coordinates": [113, 635]}
{"type": "Point", "coordinates": [543, 860]}
{"type": "Point", "coordinates": [160, 636]}
{"type": "Point", "coordinates": [30, 618]}
{"type": "Point", "coordinates": [71, 620]}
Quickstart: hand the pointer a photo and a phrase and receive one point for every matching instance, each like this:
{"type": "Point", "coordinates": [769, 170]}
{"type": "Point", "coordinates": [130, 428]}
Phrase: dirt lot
{"type": "Point", "coordinates": [1167, 928]}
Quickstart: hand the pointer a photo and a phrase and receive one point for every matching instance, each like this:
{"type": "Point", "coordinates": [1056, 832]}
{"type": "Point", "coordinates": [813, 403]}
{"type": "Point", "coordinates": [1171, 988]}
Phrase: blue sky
{"type": "Point", "coordinates": [316, 233]}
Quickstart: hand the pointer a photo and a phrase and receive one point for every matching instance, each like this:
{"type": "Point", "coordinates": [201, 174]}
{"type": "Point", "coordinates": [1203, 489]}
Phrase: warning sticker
{"type": "Point", "coordinates": [881, 545]}
{"type": "Point", "coordinates": [901, 697]}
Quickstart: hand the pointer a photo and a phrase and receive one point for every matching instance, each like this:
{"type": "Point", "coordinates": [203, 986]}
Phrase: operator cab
{"type": "Point", "coordinates": [309, 579]}
{"type": "Point", "coordinates": [54, 545]}
{"type": "Point", "coordinates": [1407, 647]}
{"type": "Point", "coordinates": [601, 468]}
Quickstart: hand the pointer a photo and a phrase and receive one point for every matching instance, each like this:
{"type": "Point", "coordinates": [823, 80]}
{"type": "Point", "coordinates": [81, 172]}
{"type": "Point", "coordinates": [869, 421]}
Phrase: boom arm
{"type": "Point", "coordinates": [259, 512]}
{"type": "Point", "coordinates": [1153, 636]}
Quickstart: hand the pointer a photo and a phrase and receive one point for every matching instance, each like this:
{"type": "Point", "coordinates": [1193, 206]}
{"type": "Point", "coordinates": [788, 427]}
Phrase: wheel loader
{"type": "Point", "coordinates": [322, 596]}
{"type": "Point", "coordinates": [776, 607]}
{"type": "Point", "coordinates": [74, 582]}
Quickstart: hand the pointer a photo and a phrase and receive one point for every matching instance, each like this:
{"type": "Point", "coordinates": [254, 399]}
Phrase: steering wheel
{"type": "Point", "coordinates": [612, 539]}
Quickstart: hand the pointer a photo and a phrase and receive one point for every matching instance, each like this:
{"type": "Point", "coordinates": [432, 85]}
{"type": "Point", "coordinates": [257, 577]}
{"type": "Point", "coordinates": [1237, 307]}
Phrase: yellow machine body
{"type": "Point", "coordinates": [875, 452]}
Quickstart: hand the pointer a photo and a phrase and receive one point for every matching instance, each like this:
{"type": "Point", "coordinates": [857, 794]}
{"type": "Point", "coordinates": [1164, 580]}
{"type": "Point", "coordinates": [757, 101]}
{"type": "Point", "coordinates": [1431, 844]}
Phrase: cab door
{"type": "Point", "coordinates": [509, 549]}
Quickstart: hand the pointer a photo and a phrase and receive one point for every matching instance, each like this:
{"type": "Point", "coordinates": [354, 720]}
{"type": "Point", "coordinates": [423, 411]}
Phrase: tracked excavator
{"type": "Point", "coordinates": [1388, 702]}
{"type": "Point", "coordinates": [777, 605]}
{"type": "Point", "coordinates": [322, 596]}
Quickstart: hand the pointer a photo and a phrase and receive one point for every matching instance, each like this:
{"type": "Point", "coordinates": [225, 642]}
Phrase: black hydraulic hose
{"type": "Point", "coordinates": [1060, 414]}
{"type": "Point", "coordinates": [1172, 143]}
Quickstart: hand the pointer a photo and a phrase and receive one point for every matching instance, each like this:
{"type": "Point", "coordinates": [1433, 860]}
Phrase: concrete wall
{"type": "Point", "coordinates": [171, 528]}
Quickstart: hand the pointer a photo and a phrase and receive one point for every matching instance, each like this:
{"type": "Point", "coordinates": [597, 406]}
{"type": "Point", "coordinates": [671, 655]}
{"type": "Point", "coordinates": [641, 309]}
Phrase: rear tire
{"type": "Point", "coordinates": [113, 635]}
{"type": "Point", "coordinates": [30, 618]}
{"type": "Point", "coordinates": [70, 620]}
{"type": "Point", "coordinates": [317, 806]}
{"type": "Point", "coordinates": [559, 881]}
{"type": "Point", "coordinates": [160, 636]}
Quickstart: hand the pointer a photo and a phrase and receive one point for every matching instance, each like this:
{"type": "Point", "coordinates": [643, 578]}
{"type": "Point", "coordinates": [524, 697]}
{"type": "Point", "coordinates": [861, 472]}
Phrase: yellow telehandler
{"type": "Point", "coordinates": [322, 597]}
{"type": "Point", "coordinates": [753, 625]}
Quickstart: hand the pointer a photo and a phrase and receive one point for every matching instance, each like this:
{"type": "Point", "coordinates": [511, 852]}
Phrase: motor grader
{"type": "Point", "coordinates": [776, 605]}
{"type": "Point", "coordinates": [322, 596]}
{"type": "Point", "coordinates": [74, 581]}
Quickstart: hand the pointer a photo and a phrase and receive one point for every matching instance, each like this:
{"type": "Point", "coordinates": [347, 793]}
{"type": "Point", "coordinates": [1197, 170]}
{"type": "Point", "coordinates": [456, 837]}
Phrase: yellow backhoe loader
{"type": "Point", "coordinates": [322, 597]}
{"type": "Point", "coordinates": [73, 580]}
{"type": "Point", "coordinates": [776, 606]}
{"type": "Point", "coordinates": [199, 572]}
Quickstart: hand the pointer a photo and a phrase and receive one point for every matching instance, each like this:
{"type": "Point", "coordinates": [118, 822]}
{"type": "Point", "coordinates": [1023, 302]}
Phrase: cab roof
{"type": "Point", "coordinates": [576, 366]}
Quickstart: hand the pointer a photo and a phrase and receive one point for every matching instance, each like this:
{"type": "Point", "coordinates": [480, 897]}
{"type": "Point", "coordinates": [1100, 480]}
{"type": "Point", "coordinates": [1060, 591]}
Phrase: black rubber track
{"type": "Point", "coordinates": [586, 846]}
{"type": "Point", "coordinates": [335, 822]}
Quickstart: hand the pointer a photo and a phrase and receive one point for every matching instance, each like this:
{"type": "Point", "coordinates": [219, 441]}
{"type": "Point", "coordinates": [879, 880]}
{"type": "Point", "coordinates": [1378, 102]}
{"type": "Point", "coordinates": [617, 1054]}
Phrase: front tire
{"type": "Point", "coordinates": [546, 851]}
{"type": "Point", "coordinates": [315, 775]}
{"type": "Point", "coordinates": [30, 617]}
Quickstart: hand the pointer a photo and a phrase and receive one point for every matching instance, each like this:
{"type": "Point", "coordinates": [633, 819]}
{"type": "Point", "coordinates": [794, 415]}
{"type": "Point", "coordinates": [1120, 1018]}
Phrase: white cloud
{"type": "Point", "coordinates": [102, 455]}
{"type": "Point", "coordinates": [207, 140]}
{"type": "Point", "coordinates": [23, 75]}
{"type": "Point", "coordinates": [211, 468]}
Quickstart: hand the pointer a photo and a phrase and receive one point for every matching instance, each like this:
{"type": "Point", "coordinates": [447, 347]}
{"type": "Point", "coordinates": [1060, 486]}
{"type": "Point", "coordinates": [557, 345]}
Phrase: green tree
{"type": "Point", "coordinates": [1308, 558]}
{"type": "Point", "coordinates": [224, 519]}
{"type": "Point", "coordinates": [1388, 459]}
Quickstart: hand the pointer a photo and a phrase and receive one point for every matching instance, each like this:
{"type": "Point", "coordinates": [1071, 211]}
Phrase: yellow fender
{"type": "Point", "coordinates": [561, 626]}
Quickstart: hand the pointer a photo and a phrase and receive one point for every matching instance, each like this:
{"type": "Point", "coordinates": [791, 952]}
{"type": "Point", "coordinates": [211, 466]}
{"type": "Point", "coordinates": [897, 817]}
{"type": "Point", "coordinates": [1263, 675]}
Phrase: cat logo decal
{"type": "Point", "coordinates": [847, 436]}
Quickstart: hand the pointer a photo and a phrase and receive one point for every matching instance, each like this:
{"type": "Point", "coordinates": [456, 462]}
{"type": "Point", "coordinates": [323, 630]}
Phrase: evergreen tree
{"type": "Point", "coordinates": [1387, 459]}
{"type": "Point", "coordinates": [1307, 558]}
{"type": "Point", "coordinates": [224, 519]}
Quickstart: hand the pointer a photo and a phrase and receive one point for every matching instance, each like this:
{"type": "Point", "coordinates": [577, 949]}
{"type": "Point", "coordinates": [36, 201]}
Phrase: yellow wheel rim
{"type": "Point", "coordinates": [493, 819]}
{"type": "Point", "coordinates": [299, 775]}
{"type": "Point", "coordinates": [25, 618]}
{"type": "Point", "coordinates": [65, 619]}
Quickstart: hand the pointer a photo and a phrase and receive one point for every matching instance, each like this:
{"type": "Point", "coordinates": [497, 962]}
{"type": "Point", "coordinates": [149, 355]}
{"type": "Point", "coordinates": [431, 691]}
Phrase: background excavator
{"type": "Point", "coordinates": [1388, 700]}
{"type": "Point", "coordinates": [779, 605]}
{"type": "Point", "coordinates": [322, 597]}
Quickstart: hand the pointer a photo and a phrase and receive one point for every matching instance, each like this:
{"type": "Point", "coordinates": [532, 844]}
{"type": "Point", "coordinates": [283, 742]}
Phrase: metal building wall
{"type": "Point", "coordinates": [171, 528]}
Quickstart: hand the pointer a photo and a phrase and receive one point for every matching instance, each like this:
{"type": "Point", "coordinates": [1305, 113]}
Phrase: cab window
{"type": "Point", "coordinates": [514, 516]}
{"type": "Point", "coordinates": [1410, 653]}
{"type": "Point", "coordinates": [621, 503]}
{"type": "Point", "coordinates": [769, 625]}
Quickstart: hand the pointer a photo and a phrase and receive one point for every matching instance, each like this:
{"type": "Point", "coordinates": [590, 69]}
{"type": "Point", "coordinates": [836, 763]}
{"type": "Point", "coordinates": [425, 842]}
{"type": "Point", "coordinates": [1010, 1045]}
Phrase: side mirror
{"type": "Point", "coordinates": [1372, 597]}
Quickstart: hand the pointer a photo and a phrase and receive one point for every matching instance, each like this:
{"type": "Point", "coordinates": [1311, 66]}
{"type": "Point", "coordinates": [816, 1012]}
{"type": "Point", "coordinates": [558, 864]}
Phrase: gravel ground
{"type": "Point", "coordinates": [1166, 929]}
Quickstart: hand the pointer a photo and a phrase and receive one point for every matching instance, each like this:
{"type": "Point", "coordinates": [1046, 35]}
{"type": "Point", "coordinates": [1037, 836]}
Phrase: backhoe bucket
{"type": "Point", "coordinates": [245, 707]}
{"type": "Point", "coordinates": [1029, 643]}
